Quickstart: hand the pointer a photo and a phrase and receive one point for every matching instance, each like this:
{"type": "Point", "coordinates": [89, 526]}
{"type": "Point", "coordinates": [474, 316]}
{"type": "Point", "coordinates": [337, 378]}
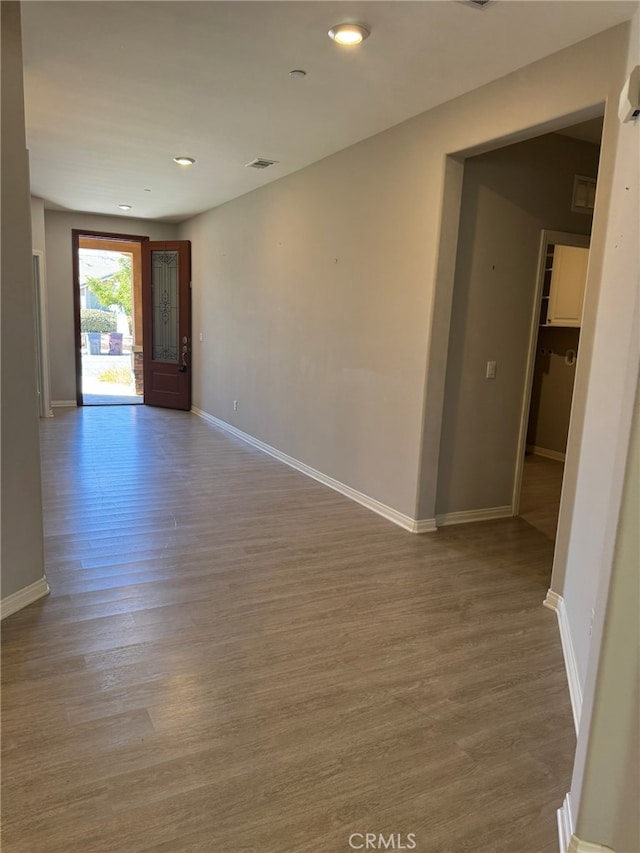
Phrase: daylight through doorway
{"type": "Point", "coordinates": [110, 322]}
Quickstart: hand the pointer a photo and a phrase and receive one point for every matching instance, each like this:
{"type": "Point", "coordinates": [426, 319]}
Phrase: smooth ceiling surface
{"type": "Point", "coordinates": [113, 90]}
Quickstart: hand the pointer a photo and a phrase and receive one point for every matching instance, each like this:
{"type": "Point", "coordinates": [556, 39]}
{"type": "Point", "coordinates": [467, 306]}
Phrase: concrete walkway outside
{"type": "Point", "coordinates": [96, 392]}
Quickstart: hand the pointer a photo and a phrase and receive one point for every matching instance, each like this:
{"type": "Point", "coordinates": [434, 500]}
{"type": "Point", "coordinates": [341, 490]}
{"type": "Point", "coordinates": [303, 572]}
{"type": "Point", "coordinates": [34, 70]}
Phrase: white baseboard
{"type": "Point", "coordinates": [568, 841]}
{"type": "Point", "coordinates": [425, 525]}
{"type": "Point", "coordinates": [548, 454]}
{"type": "Point", "coordinates": [577, 845]}
{"type": "Point", "coordinates": [64, 404]}
{"type": "Point", "coordinates": [466, 516]}
{"type": "Point", "coordinates": [565, 825]}
{"type": "Point", "coordinates": [17, 600]}
{"type": "Point", "coordinates": [556, 602]}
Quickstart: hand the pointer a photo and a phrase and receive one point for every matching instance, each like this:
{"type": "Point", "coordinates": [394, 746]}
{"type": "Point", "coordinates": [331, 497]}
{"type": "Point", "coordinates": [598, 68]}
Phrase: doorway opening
{"type": "Point", "coordinates": [508, 367]}
{"type": "Point", "coordinates": [109, 319]}
{"type": "Point", "coordinates": [553, 355]}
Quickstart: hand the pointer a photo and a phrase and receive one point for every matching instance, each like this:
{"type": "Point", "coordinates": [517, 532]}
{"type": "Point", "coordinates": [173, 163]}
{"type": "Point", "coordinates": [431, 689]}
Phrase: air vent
{"type": "Point", "coordinates": [261, 163]}
{"type": "Point", "coordinates": [478, 2]}
{"type": "Point", "coordinates": [584, 194]}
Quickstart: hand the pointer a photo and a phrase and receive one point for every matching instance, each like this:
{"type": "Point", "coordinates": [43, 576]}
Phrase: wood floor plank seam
{"type": "Point", "coordinates": [236, 658]}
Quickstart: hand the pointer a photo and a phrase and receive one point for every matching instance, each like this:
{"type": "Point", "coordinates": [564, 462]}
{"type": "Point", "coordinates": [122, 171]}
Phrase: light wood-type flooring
{"type": "Point", "coordinates": [236, 659]}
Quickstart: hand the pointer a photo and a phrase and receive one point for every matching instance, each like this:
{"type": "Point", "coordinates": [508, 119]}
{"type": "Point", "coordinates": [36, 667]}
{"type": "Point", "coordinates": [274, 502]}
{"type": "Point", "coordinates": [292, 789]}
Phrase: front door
{"type": "Point", "coordinates": [166, 299]}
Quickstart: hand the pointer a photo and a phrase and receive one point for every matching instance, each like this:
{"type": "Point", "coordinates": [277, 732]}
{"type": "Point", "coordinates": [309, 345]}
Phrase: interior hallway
{"type": "Point", "coordinates": [236, 658]}
{"type": "Point", "coordinates": [540, 494]}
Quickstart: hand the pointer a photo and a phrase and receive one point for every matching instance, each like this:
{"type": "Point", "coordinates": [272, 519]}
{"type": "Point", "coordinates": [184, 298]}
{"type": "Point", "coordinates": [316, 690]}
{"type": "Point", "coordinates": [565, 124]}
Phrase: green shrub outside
{"type": "Point", "coordinates": [94, 320]}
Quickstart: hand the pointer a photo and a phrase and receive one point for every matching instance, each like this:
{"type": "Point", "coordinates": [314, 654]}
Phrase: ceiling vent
{"type": "Point", "coordinates": [261, 163]}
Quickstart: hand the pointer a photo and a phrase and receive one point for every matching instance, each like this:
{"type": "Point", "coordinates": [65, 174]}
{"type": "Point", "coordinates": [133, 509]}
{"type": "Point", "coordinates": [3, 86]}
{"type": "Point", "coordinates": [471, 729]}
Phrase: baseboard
{"type": "Point", "coordinates": [577, 845]}
{"type": "Point", "coordinates": [64, 404]}
{"type": "Point", "coordinates": [425, 525]}
{"type": "Point", "coordinates": [17, 600]}
{"type": "Point", "coordinates": [556, 455]}
{"type": "Point", "coordinates": [565, 825]}
{"type": "Point", "coordinates": [466, 516]}
{"type": "Point", "coordinates": [556, 602]}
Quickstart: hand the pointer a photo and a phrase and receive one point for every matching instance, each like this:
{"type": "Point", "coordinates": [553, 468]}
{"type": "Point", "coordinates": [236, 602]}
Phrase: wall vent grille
{"type": "Point", "coordinates": [261, 163]}
{"type": "Point", "coordinates": [584, 194]}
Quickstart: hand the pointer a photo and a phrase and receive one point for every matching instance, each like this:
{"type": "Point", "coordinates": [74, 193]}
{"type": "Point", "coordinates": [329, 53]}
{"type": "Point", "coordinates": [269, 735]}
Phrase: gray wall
{"type": "Point", "coordinates": [316, 294]}
{"type": "Point", "coordinates": [58, 228]}
{"type": "Point", "coordinates": [22, 541]}
{"type": "Point", "coordinates": [37, 224]}
{"type": "Point", "coordinates": [552, 389]}
{"type": "Point", "coordinates": [508, 197]}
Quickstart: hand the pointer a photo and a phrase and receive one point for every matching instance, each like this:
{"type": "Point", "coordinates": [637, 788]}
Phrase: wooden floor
{"type": "Point", "coordinates": [540, 493]}
{"type": "Point", "coordinates": [234, 658]}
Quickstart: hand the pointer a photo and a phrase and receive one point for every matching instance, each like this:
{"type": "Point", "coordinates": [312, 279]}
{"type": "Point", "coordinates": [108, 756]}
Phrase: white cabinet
{"type": "Point", "coordinates": [564, 281]}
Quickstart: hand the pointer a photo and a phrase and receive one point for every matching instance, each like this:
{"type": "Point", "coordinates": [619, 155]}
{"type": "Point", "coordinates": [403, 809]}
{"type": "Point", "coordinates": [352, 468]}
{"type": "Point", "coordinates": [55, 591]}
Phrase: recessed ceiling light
{"type": "Point", "coordinates": [184, 161]}
{"type": "Point", "coordinates": [297, 72]}
{"type": "Point", "coordinates": [348, 34]}
{"type": "Point", "coordinates": [124, 206]}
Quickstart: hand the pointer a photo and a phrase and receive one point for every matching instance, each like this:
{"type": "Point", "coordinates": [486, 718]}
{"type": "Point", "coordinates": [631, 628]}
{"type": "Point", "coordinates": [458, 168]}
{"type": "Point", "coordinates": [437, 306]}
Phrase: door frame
{"type": "Point", "coordinates": [547, 238]}
{"type": "Point", "coordinates": [76, 234]}
{"type": "Point", "coordinates": [42, 334]}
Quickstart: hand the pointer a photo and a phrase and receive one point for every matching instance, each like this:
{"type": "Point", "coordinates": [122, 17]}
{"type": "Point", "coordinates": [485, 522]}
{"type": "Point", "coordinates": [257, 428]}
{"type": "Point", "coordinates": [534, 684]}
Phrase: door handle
{"type": "Point", "coordinates": [183, 366]}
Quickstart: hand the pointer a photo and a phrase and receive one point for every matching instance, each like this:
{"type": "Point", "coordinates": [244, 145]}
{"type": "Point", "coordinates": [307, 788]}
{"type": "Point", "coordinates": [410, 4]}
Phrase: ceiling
{"type": "Point", "coordinates": [587, 131]}
{"type": "Point", "coordinates": [114, 90]}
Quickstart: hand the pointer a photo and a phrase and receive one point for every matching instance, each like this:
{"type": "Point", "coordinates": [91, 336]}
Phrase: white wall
{"type": "Point", "coordinates": [58, 228]}
{"type": "Point", "coordinates": [605, 383]}
{"type": "Point", "coordinates": [602, 549]}
{"type": "Point", "coordinates": [509, 196]}
{"type": "Point", "coordinates": [22, 538]}
{"type": "Point", "coordinates": [605, 789]}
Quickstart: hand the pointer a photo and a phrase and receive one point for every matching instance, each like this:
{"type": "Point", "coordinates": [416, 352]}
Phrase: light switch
{"type": "Point", "coordinates": [491, 370]}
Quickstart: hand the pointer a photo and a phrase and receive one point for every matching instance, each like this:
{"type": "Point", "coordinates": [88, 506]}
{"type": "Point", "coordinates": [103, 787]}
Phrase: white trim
{"type": "Point", "coordinates": [424, 525]}
{"type": "Point", "coordinates": [17, 600]}
{"type": "Point", "coordinates": [556, 602]}
{"type": "Point", "coordinates": [548, 454]}
{"type": "Point", "coordinates": [565, 825]}
{"type": "Point", "coordinates": [411, 524]}
{"type": "Point", "coordinates": [63, 404]}
{"type": "Point", "coordinates": [528, 374]}
{"type": "Point", "coordinates": [466, 516]}
{"type": "Point", "coordinates": [43, 366]}
{"type": "Point", "coordinates": [577, 845]}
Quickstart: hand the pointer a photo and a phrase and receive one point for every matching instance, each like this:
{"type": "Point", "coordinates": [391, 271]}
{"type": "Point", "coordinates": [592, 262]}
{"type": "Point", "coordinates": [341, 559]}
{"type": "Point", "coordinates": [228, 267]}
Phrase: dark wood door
{"type": "Point", "coordinates": [166, 301]}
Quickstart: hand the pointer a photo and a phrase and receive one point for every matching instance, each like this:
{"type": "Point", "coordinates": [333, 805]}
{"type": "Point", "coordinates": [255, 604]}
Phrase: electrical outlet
{"type": "Point", "coordinates": [201, 336]}
{"type": "Point", "coordinates": [235, 405]}
{"type": "Point", "coordinates": [491, 370]}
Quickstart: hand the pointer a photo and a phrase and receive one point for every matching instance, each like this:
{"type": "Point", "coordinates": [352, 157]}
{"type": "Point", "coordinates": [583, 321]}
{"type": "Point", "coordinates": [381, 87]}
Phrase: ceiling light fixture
{"type": "Point", "coordinates": [348, 34]}
{"type": "Point", "coordinates": [124, 206]}
{"type": "Point", "coordinates": [184, 161]}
